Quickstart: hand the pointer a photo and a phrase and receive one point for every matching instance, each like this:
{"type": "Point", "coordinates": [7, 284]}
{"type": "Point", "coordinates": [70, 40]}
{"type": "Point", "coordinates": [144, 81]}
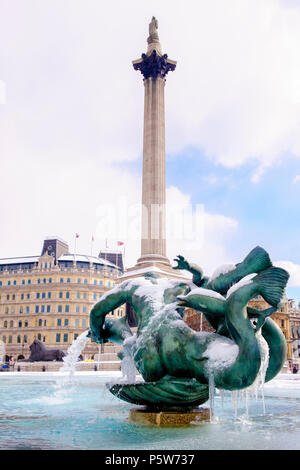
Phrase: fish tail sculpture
{"type": "Point", "coordinates": [270, 284]}
{"type": "Point", "coordinates": [256, 261]}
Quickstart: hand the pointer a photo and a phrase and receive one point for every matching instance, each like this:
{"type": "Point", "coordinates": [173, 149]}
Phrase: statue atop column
{"type": "Point", "coordinates": [153, 27]}
{"type": "Point", "coordinates": [153, 39]}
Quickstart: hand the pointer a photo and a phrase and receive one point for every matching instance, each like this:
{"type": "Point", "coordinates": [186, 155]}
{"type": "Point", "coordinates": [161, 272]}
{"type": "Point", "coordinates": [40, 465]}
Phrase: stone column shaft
{"type": "Point", "coordinates": [154, 189]}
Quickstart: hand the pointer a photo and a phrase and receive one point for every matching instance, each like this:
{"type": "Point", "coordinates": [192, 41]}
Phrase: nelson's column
{"type": "Point", "coordinates": [154, 66]}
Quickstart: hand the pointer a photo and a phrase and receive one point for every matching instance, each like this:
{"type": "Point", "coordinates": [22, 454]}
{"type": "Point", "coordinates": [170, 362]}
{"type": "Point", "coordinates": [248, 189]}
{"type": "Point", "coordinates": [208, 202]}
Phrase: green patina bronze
{"type": "Point", "coordinates": [177, 362]}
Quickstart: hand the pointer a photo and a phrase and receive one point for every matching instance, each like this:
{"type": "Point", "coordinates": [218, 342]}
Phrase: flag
{"type": "Point", "coordinates": [93, 239]}
{"type": "Point", "coordinates": [77, 235]}
{"type": "Point", "coordinates": [120, 243]}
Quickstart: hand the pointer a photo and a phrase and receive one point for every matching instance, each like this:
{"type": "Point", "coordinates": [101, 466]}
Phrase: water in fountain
{"type": "Point", "coordinates": [73, 354]}
{"type": "Point", "coordinates": [127, 364]}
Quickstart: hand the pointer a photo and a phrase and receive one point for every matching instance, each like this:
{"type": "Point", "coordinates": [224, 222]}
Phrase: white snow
{"type": "Point", "coordinates": [243, 282]}
{"type": "Point", "coordinates": [221, 354]}
{"type": "Point", "coordinates": [205, 292]}
{"type": "Point", "coordinates": [223, 269]}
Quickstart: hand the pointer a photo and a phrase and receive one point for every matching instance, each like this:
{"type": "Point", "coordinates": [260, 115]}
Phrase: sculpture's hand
{"type": "Point", "coordinates": [181, 263]}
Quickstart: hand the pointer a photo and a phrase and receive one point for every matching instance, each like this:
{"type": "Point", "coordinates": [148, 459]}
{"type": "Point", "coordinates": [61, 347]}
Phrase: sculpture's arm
{"type": "Point", "coordinates": [110, 301]}
{"type": "Point", "coordinates": [195, 270]}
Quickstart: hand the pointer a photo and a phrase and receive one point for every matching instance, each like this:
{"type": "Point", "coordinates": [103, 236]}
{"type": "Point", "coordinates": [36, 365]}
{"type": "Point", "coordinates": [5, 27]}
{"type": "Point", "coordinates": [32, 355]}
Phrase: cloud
{"type": "Point", "coordinates": [73, 115]}
{"type": "Point", "coordinates": [296, 179]}
{"type": "Point", "coordinates": [294, 271]}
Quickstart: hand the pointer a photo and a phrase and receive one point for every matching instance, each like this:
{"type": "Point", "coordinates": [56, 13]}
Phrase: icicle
{"type": "Point", "coordinates": [211, 388]}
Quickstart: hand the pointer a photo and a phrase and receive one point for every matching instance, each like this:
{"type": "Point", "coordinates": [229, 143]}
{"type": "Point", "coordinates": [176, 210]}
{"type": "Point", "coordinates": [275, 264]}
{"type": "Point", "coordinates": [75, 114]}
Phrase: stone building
{"type": "Point", "coordinates": [294, 318]}
{"type": "Point", "coordinates": [49, 297]}
{"type": "Point", "coordinates": [281, 318]}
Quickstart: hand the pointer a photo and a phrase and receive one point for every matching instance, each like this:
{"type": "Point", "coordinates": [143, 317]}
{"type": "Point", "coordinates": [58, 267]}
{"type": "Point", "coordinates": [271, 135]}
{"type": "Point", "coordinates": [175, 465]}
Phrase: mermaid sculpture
{"type": "Point", "coordinates": [177, 362]}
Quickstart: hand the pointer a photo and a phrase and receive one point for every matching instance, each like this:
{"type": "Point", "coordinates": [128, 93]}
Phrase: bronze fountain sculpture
{"type": "Point", "coordinates": [177, 362]}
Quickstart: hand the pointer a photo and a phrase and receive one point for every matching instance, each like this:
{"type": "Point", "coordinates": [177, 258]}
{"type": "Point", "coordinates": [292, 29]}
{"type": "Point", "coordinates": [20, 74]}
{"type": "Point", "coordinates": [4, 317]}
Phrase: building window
{"type": "Point", "coordinates": [95, 282]}
{"type": "Point", "coordinates": [84, 309]}
{"type": "Point", "coordinates": [67, 308]}
{"type": "Point", "coordinates": [59, 322]}
{"type": "Point", "coordinates": [11, 324]}
{"type": "Point", "coordinates": [108, 283]}
{"type": "Point", "coordinates": [83, 322]}
{"type": "Point", "coordinates": [20, 324]}
{"type": "Point", "coordinates": [28, 296]}
{"type": "Point", "coordinates": [78, 295]}
{"type": "Point", "coordinates": [77, 308]}
{"type": "Point", "coordinates": [49, 295]}
{"type": "Point", "coordinates": [67, 295]}
{"type": "Point", "coordinates": [25, 339]}
{"type": "Point", "coordinates": [6, 310]}
{"type": "Point", "coordinates": [10, 339]}
{"type": "Point", "coordinates": [57, 337]}
{"type": "Point", "coordinates": [23, 281]}
{"type": "Point", "coordinates": [27, 309]}
{"type": "Point", "coordinates": [42, 308]}
{"type": "Point", "coordinates": [21, 309]}
{"type": "Point", "coordinates": [101, 283]}
{"type": "Point", "coordinates": [40, 322]}
{"type": "Point", "coordinates": [39, 337]}
{"type": "Point", "coordinates": [48, 308]}
{"type": "Point", "coordinates": [65, 337]}
{"type": "Point", "coordinates": [29, 281]}
{"type": "Point", "coordinates": [60, 295]}
{"type": "Point", "coordinates": [38, 281]}
{"type": "Point", "coordinates": [36, 309]}
{"type": "Point", "coordinates": [59, 309]}
{"type": "Point", "coordinates": [43, 295]}
{"type": "Point", "coordinates": [37, 295]}
{"type": "Point", "coordinates": [22, 296]}
{"type": "Point", "coordinates": [4, 339]}
{"type": "Point", "coordinates": [15, 283]}
{"type": "Point", "coordinates": [13, 310]}
{"type": "Point", "coordinates": [95, 296]}
{"type": "Point", "coordinates": [78, 281]}
{"type": "Point", "coordinates": [8, 283]}
{"type": "Point", "coordinates": [68, 280]}
{"type": "Point", "coordinates": [0, 283]}
{"type": "Point", "coordinates": [7, 297]}
{"type": "Point", "coordinates": [66, 322]}
{"type": "Point", "coordinates": [13, 297]}
{"type": "Point", "coordinates": [85, 281]}
{"type": "Point", "coordinates": [77, 322]}
{"type": "Point", "coordinates": [282, 323]}
{"type": "Point", "coordinates": [5, 324]}
{"type": "Point", "coordinates": [25, 323]}
{"type": "Point", "coordinates": [75, 336]}
{"type": "Point", "coordinates": [19, 339]}
{"type": "Point", "coordinates": [84, 295]}
{"type": "Point", "coordinates": [44, 280]}
{"type": "Point", "coordinates": [50, 280]}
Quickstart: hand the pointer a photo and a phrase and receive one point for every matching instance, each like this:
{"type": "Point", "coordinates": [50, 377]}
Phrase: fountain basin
{"type": "Point", "coordinates": [36, 413]}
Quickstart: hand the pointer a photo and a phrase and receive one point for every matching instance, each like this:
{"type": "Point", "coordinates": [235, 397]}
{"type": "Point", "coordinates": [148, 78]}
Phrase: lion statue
{"type": "Point", "coordinates": [39, 352]}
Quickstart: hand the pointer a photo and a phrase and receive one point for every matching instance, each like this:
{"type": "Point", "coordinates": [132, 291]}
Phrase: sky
{"type": "Point", "coordinates": [71, 127]}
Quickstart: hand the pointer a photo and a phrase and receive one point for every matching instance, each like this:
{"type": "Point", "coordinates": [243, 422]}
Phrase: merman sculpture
{"type": "Point", "coordinates": [177, 362]}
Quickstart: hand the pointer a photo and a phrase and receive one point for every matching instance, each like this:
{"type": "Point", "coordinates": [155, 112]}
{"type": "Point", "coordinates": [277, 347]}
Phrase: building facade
{"type": "Point", "coordinates": [49, 297]}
